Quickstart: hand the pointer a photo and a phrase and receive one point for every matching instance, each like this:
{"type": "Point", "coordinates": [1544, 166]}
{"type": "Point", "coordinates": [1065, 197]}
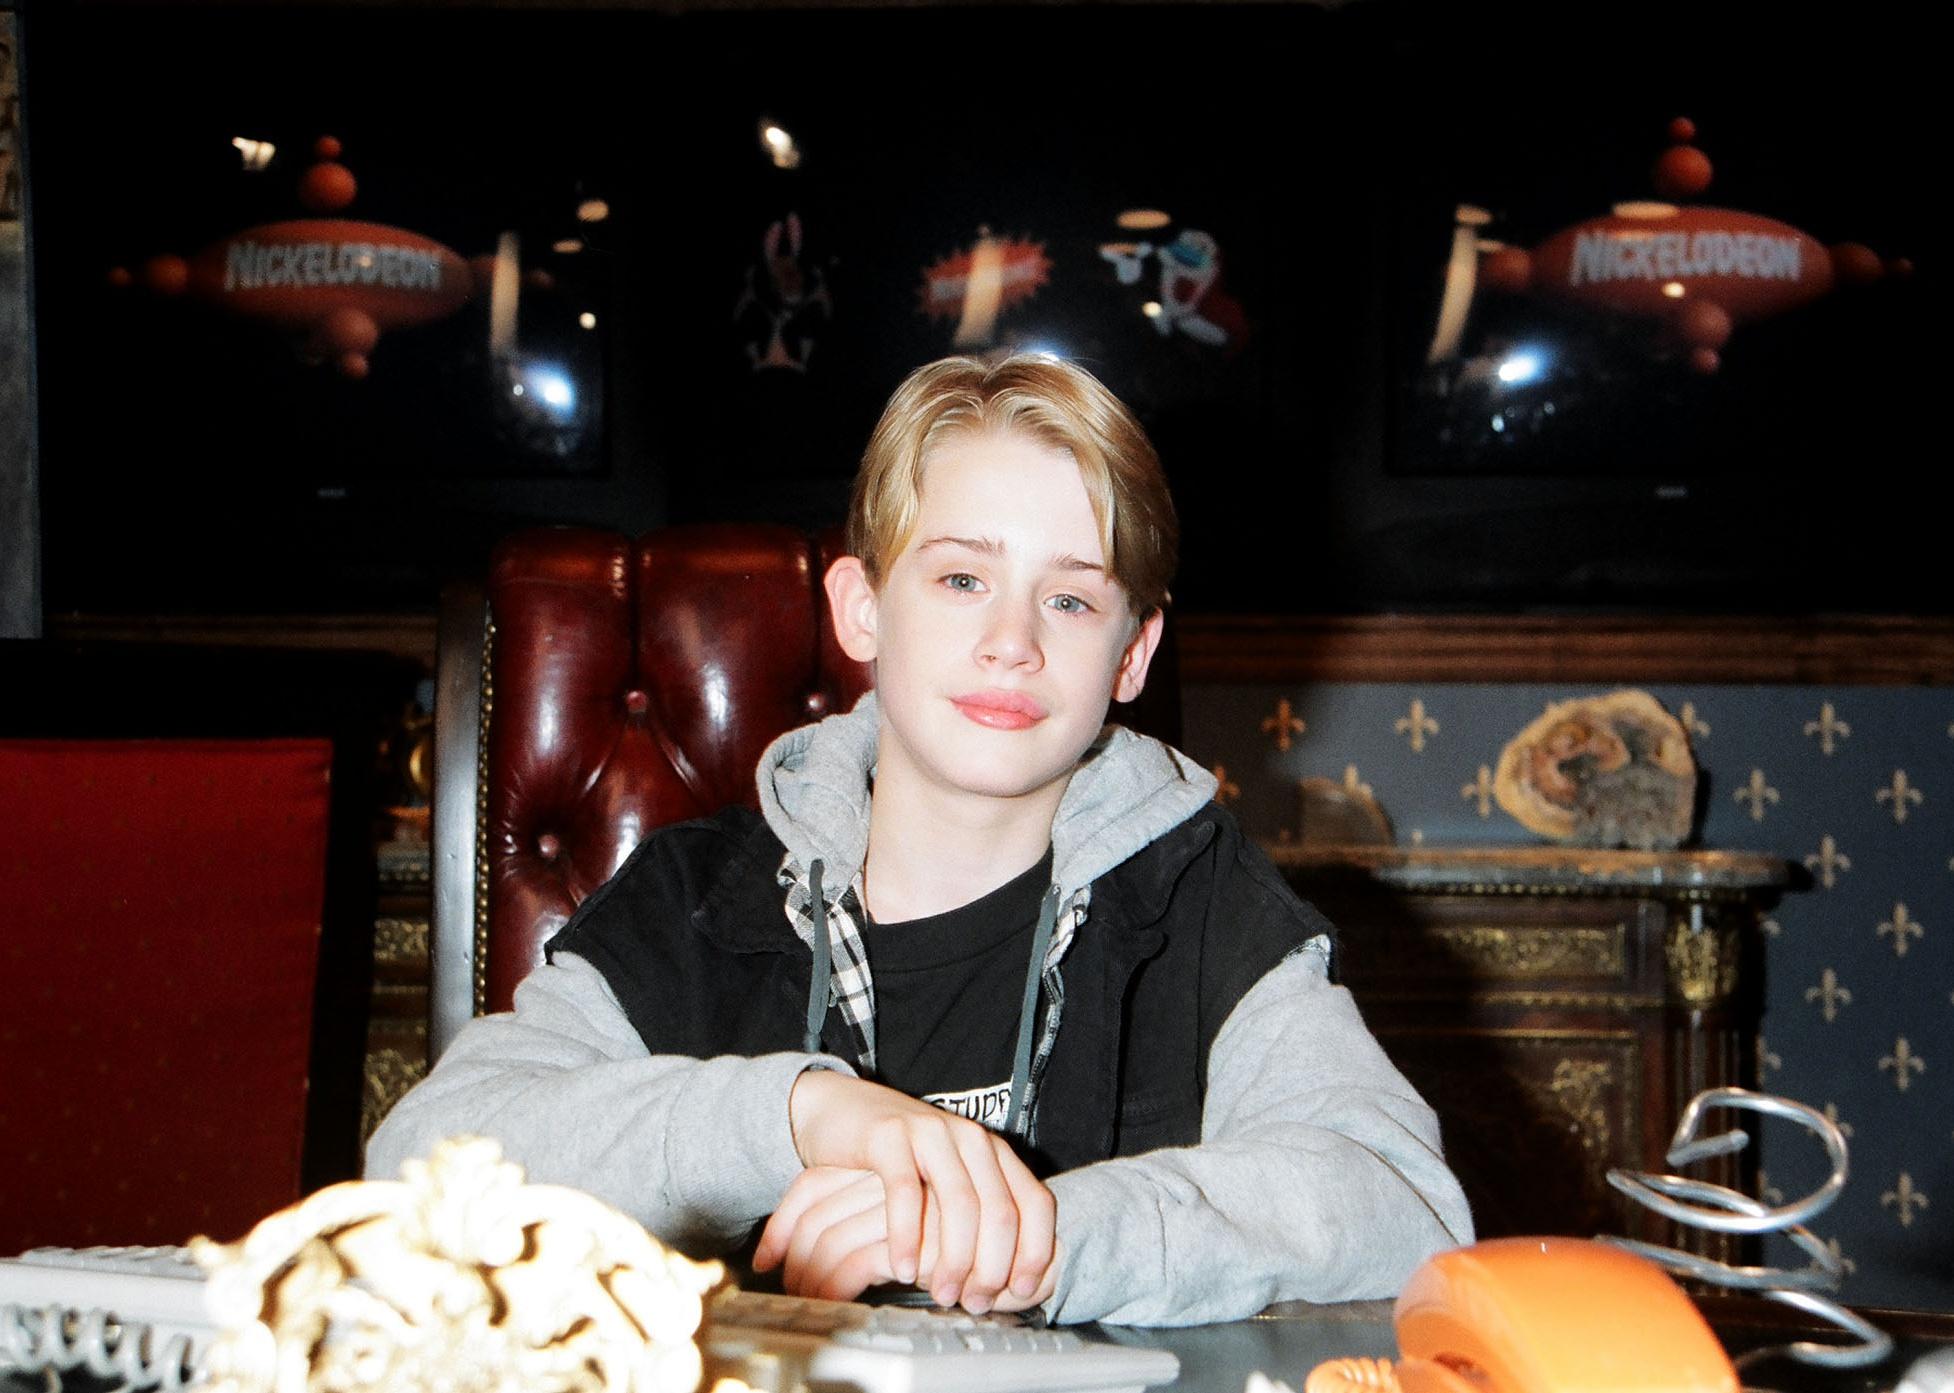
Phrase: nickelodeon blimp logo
{"type": "Point", "coordinates": [1697, 270]}
{"type": "Point", "coordinates": [339, 284]}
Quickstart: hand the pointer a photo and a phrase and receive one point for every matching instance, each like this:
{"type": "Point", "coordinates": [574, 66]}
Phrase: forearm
{"type": "Point", "coordinates": [1218, 1232]}
{"type": "Point", "coordinates": [697, 1150]}
{"type": "Point", "coordinates": [1319, 1178]}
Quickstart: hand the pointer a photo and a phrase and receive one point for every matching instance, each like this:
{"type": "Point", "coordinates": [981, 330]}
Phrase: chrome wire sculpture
{"type": "Point", "coordinates": [1719, 1209]}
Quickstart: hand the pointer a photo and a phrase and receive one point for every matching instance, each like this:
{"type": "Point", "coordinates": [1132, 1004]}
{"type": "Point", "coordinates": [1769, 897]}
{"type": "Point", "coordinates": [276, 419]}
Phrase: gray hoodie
{"type": "Point", "coordinates": [1318, 1175]}
{"type": "Point", "coordinates": [1126, 792]}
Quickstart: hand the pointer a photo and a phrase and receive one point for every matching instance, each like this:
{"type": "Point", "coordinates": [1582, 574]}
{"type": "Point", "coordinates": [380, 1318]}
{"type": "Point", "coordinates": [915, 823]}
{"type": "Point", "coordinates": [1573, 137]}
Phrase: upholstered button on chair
{"type": "Point", "coordinates": [598, 687]}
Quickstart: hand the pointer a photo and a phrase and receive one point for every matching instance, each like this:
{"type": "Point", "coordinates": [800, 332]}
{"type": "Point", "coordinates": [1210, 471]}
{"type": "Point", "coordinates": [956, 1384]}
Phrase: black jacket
{"type": "Point", "coordinates": [692, 938]}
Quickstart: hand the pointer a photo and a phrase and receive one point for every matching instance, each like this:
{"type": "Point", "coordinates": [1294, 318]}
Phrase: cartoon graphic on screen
{"type": "Point", "coordinates": [977, 286]}
{"type": "Point", "coordinates": [1190, 298]}
{"type": "Point", "coordinates": [780, 299]}
{"type": "Point", "coordinates": [336, 284]}
{"type": "Point", "coordinates": [1694, 272]}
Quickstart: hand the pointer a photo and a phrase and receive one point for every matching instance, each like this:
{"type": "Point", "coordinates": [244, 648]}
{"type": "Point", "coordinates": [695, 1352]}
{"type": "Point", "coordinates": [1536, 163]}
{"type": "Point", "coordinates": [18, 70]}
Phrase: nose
{"type": "Point", "coordinates": [1010, 640]}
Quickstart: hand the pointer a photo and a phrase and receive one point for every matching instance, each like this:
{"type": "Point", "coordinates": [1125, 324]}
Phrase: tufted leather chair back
{"type": "Point", "coordinates": [600, 688]}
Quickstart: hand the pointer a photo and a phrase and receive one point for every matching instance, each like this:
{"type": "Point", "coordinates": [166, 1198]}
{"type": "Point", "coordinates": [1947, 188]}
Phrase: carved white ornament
{"type": "Point", "coordinates": [458, 1278]}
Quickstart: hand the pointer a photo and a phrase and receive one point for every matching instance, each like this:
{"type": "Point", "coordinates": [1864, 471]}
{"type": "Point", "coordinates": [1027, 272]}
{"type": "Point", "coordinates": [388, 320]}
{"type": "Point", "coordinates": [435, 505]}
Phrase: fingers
{"type": "Point", "coordinates": [842, 1121]}
{"type": "Point", "coordinates": [943, 1154]}
{"type": "Point", "coordinates": [839, 1271]}
{"type": "Point", "coordinates": [996, 1246]}
{"type": "Point", "coordinates": [1010, 1300]}
{"type": "Point", "coordinates": [892, 1155]}
{"type": "Point", "coordinates": [931, 1246]}
{"type": "Point", "coordinates": [838, 1247]}
{"type": "Point", "coordinates": [946, 1184]}
{"type": "Point", "coordinates": [971, 1180]}
{"type": "Point", "coordinates": [810, 1187]}
{"type": "Point", "coordinates": [1037, 1242]}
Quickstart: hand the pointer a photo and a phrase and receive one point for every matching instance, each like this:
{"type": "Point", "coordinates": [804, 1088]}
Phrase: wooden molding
{"type": "Point", "coordinates": [1829, 650]}
{"type": "Point", "coordinates": [404, 635]}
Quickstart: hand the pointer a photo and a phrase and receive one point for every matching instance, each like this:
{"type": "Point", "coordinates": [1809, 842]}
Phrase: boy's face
{"type": "Point", "coordinates": [997, 635]}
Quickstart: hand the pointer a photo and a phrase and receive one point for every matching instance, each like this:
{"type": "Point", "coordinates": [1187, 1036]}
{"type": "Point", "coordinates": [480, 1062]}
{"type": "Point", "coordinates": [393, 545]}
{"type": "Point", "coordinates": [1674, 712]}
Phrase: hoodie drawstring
{"type": "Point", "coordinates": [818, 986]}
{"type": "Point", "coordinates": [1041, 944]}
{"type": "Point", "coordinates": [820, 978]}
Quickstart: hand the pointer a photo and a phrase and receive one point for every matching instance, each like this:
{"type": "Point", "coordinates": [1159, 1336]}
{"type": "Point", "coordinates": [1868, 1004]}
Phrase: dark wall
{"type": "Point", "coordinates": [1324, 153]}
{"type": "Point", "coordinates": [20, 599]}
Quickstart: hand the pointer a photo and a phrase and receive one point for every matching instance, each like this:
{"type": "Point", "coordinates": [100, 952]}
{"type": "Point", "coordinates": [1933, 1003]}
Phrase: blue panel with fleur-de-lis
{"type": "Point", "coordinates": [1855, 783]}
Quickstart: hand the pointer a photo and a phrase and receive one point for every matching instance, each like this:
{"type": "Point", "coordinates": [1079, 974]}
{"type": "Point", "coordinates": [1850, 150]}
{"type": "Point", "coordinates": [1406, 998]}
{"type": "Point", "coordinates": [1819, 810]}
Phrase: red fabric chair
{"type": "Point", "coordinates": [602, 687]}
{"type": "Point", "coordinates": [161, 906]}
{"type": "Point", "coordinates": [162, 839]}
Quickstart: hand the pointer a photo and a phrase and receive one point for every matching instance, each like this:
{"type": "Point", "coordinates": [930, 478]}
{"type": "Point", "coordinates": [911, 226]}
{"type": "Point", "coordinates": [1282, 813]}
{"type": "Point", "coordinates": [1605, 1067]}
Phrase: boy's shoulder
{"type": "Point", "coordinates": [1208, 917]}
{"type": "Point", "coordinates": [1211, 837]}
{"type": "Point", "coordinates": [709, 870]}
{"type": "Point", "coordinates": [1210, 859]}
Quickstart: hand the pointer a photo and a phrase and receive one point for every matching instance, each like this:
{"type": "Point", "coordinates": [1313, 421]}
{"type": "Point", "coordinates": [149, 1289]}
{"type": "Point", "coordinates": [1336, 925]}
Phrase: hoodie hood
{"type": "Point", "coordinates": [813, 785]}
{"type": "Point", "coordinates": [1128, 791]}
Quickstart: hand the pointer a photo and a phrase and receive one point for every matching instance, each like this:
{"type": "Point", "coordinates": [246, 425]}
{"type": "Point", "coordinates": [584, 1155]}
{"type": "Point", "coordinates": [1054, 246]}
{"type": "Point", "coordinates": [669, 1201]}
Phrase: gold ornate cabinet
{"type": "Point", "coordinates": [1556, 1007]}
{"type": "Point", "coordinates": [396, 1039]}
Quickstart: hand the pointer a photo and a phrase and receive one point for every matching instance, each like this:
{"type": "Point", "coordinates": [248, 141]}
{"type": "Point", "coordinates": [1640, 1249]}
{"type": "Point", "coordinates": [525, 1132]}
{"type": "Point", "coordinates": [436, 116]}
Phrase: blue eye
{"type": "Point", "coordinates": [961, 581]}
{"type": "Point", "coordinates": [1070, 604]}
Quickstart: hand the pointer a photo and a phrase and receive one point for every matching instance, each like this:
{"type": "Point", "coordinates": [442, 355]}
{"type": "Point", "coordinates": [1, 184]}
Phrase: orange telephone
{"type": "Point", "coordinates": [1541, 1315]}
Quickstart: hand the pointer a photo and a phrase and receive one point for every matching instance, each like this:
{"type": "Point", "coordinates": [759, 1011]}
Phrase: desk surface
{"type": "Point", "coordinates": [1290, 1340]}
{"type": "Point", "coordinates": [1285, 1344]}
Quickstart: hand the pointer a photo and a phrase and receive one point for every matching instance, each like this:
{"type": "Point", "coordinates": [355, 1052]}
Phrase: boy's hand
{"type": "Point", "coordinates": [829, 1237]}
{"type": "Point", "coordinates": [993, 1219]}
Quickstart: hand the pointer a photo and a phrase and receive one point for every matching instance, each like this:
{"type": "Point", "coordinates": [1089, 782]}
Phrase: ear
{"type": "Point", "coordinates": [1132, 675]}
{"type": "Point", "coordinates": [851, 602]}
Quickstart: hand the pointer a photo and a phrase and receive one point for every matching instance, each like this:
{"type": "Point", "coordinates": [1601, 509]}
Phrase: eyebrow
{"type": "Point", "coordinates": [990, 546]}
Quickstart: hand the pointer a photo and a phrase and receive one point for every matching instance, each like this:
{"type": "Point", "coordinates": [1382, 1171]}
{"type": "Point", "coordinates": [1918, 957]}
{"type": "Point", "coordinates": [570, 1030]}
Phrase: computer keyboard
{"type": "Point", "coordinates": [136, 1316]}
{"type": "Point", "coordinates": [132, 1315]}
{"type": "Point", "coordinates": [791, 1341]}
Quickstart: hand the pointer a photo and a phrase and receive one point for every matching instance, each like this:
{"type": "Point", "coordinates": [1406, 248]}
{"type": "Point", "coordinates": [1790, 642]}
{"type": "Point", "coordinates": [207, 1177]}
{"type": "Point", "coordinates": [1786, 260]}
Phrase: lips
{"type": "Point", "coordinates": [1000, 710]}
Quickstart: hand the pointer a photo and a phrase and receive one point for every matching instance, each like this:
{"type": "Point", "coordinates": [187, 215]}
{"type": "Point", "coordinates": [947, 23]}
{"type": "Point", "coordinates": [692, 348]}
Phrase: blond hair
{"type": "Point", "coordinates": [1051, 401]}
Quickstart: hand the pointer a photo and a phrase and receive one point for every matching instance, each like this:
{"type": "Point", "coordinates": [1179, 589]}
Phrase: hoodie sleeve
{"type": "Point", "coordinates": [1318, 1177]}
{"type": "Point", "coordinates": [697, 1150]}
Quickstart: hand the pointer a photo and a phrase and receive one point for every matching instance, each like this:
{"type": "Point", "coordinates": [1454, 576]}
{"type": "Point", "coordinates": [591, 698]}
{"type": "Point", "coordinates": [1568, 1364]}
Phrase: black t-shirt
{"type": "Point", "coordinates": [947, 992]}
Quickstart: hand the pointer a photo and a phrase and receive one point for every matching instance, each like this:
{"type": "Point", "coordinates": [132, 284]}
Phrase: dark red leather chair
{"type": "Point", "coordinates": [598, 688]}
{"type": "Point", "coordinates": [601, 687]}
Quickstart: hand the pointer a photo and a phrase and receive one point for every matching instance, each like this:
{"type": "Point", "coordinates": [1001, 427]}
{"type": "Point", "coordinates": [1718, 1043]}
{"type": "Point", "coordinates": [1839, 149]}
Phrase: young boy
{"type": "Point", "coordinates": [991, 998]}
